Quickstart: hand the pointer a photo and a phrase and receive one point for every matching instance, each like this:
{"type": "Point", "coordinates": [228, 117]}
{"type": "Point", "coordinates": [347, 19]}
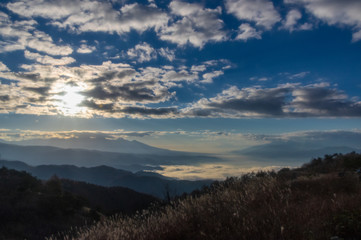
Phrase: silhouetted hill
{"type": "Point", "coordinates": [144, 182]}
{"type": "Point", "coordinates": [33, 209]}
{"type": "Point", "coordinates": [41, 155]}
{"type": "Point", "coordinates": [109, 200]}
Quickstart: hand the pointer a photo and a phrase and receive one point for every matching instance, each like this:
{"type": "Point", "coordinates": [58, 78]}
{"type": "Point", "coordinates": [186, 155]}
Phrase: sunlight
{"type": "Point", "coordinates": [68, 103]}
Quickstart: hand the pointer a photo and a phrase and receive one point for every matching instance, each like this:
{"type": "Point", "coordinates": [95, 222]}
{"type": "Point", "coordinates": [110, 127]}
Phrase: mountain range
{"type": "Point", "coordinates": [147, 158]}
{"type": "Point", "coordinates": [290, 152]}
{"type": "Point", "coordinates": [100, 143]}
{"type": "Point", "coordinates": [144, 182]}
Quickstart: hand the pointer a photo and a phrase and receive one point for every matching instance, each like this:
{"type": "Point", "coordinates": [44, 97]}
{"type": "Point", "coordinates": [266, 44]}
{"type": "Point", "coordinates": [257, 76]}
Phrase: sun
{"type": "Point", "coordinates": [68, 102]}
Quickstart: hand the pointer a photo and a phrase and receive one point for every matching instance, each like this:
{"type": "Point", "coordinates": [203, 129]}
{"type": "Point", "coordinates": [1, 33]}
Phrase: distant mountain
{"type": "Point", "coordinates": [41, 155]}
{"type": "Point", "coordinates": [144, 182]}
{"type": "Point", "coordinates": [289, 152]}
{"type": "Point", "coordinates": [98, 143]}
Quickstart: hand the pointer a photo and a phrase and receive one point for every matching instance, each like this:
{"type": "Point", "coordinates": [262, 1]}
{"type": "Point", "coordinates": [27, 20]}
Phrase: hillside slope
{"type": "Point", "coordinates": [318, 201]}
{"type": "Point", "coordinates": [33, 209]}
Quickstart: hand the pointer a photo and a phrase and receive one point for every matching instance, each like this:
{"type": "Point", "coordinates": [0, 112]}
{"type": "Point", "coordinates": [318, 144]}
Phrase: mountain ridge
{"type": "Point", "coordinates": [119, 145]}
{"type": "Point", "coordinates": [40, 155]}
{"type": "Point", "coordinates": [149, 183]}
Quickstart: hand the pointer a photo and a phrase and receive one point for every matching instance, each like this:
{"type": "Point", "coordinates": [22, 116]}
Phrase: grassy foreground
{"type": "Point", "coordinates": [321, 200]}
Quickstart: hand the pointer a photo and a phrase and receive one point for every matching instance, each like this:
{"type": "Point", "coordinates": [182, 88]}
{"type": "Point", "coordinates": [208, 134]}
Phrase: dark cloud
{"type": "Point", "coordinates": [110, 107]}
{"type": "Point", "coordinates": [72, 84]}
{"type": "Point", "coordinates": [199, 112]}
{"type": "Point", "coordinates": [37, 100]}
{"type": "Point", "coordinates": [283, 101]}
{"type": "Point", "coordinates": [96, 106]}
{"type": "Point", "coordinates": [267, 102]}
{"type": "Point", "coordinates": [110, 75]}
{"type": "Point", "coordinates": [22, 106]}
{"type": "Point", "coordinates": [325, 102]}
{"type": "Point", "coordinates": [29, 76]}
{"type": "Point", "coordinates": [138, 134]}
{"type": "Point", "coordinates": [138, 91]}
{"type": "Point", "coordinates": [39, 90]}
{"type": "Point", "coordinates": [35, 77]}
{"type": "Point", "coordinates": [4, 98]}
{"type": "Point", "coordinates": [149, 111]}
{"type": "Point", "coordinates": [99, 92]}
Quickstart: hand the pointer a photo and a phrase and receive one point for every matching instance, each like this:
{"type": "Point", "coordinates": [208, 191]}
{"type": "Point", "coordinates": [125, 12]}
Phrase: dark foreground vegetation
{"type": "Point", "coordinates": [33, 209]}
{"type": "Point", "coordinates": [321, 200]}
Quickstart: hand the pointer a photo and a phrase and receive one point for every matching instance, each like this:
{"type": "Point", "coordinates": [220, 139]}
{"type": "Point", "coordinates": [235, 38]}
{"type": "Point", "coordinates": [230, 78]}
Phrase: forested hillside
{"type": "Point", "coordinates": [33, 209]}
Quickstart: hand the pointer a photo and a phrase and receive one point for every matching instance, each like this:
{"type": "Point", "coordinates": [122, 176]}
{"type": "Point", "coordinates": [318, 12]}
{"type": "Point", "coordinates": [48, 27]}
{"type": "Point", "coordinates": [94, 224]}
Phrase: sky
{"type": "Point", "coordinates": [235, 77]}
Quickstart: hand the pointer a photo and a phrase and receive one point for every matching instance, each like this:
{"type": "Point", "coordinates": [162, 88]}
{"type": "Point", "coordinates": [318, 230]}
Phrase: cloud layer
{"type": "Point", "coordinates": [289, 100]}
{"type": "Point", "coordinates": [118, 90]}
{"type": "Point", "coordinates": [109, 89]}
{"type": "Point", "coordinates": [59, 51]}
{"type": "Point", "coordinates": [180, 22]}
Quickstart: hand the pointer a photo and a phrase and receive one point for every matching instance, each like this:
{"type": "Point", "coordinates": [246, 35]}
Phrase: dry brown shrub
{"type": "Point", "coordinates": [253, 207]}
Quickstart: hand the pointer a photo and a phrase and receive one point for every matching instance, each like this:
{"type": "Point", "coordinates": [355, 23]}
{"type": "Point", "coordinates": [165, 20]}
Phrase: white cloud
{"type": "Point", "coordinates": [42, 42]}
{"type": "Point", "coordinates": [356, 36]}
{"type": "Point", "coordinates": [44, 59]}
{"type": "Point", "coordinates": [19, 35]}
{"type": "Point", "coordinates": [197, 25]}
{"type": "Point", "coordinates": [93, 16]}
{"type": "Point", "coordinates": [3, 67]}
{"type": "Point", "coordinates": [292, 19]}
{"type": "Point", "coordinates": [298, 75]}
{"type": "Point", "coordinates": [333, 12]}
{"type": "Point", "coordinates": [141, 18]}
{"type": "Point", "coordinates": [246, 32]}
{"type": "Point", "coordinates": [142, 52]}
{"type": "Point", "coordinates": [198, 68]}
{"type": "Point", "coordinates": [291, 23]}
{"type": "Point", "coordinates": [306, 26]}
{"type": "Point", "coordinates": [178, 76]}
{"type": "Point", "coordinates": [208, 77]}
{"type": "Point", "coordinates": [260, 79]}
{"type": "Point", "coordinates": [262, 12]}
{"type": "Point", "coordinates": [167, 53]}
{"type": "Point", "coordinates": [85, 49]}
{"type": "Point", "coordinates": [47, 9]}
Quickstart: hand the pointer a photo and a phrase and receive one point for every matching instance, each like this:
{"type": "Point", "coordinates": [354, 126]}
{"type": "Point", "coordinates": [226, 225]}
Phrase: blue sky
{"type": "Point", "coordinates": [210, 76]}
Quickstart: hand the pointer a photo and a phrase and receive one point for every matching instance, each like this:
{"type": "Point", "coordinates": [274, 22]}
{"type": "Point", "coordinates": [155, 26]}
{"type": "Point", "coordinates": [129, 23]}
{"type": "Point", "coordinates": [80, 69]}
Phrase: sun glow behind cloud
{"type": "Point", "coordinates": [69, 99]}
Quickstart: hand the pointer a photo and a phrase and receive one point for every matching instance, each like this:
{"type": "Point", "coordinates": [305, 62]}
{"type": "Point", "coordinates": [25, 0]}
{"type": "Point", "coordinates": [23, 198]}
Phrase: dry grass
{"type": "Point", "coordinates": [252, 207]}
